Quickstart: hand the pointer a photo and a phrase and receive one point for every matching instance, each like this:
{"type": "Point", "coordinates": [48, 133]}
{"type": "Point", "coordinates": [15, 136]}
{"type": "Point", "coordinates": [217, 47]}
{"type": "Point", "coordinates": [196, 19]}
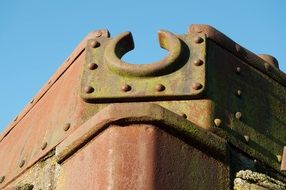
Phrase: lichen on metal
{"type": "Point", "coordinates": [177, 72]}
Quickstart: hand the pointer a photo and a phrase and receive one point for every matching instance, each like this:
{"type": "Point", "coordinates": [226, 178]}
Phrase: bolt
{"type": "Point", "coordinates": [67, 126]}
{"type": "Point", "coordinates": [125, 87]}
{"type": "Point", "coordinates": [44, 145]}
{"type": "Point", "coordinates": [184, 115]}
{"type": "Point", "coordinates": [2, 178]}
{"type": "Point", "coordinates": [279, 158]}
{"type": "Point", "coordinates": [238, 70]}
{"type": "Point", "coordinates": [197, 86]}
{"type": "Point", "coordinates": [198, 62]}
{"type": "Point", "coordinates": [92, 66]}
{"type": "Point", "coordinates": [238, 115]}
{"type": "Point", "coordinates": [98, 34]}
{"type": "Point", "coordinates": [238, 92]}
{"type": "Point", "coordinates": [160, 87]}
{"type": "Point", "coordinates": [22, 163]}
{"type": "Point", "coordinates": [198, 40]}
{"type": "Point", "coordinates": [94, 44]}
{"type": "Point", "coordinates": [246, 138]}
{"type": "Point", "coordinates": [88, 89]}
{"type": "Point", "coordinates": [217, 122]}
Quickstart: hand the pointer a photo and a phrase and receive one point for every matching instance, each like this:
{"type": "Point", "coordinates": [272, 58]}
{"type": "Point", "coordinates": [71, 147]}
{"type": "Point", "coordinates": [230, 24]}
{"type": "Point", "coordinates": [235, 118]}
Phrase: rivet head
{"type": "Point", "coordinates": [238, 93]}
{"type": "Point", "coordinates": [98, 34]}
{"type": "Point", "coordinates": [198, 62]}
{"type": "Point", "coordinates": [88, 89]}
{"type": "Point", "coordinates": [197, 86]}
{"type": "Point", "coordinates": [94, 44]}
{"type": "Point", "coordinates": [16, 118]}
{"type": "Point", "coordinates": [217, 122]}
{"type": "Point", "coordinates": [92, 66]}
{"type": "Point", "coordinates": [238, 115]}
{"type": "Point", "coordinates": [125, 88]}
{"type": "Point", "coordinates": [22, 163]}
{"type": "Point", "coordinates": [198, 39]}
{"type": "Point", "coordinates": [67, 126]}
{"type": "Point", "coordinates": [267, 67]}
{"type": "Point", "coordinates": [238, 70]}
{"type": "Point", "coordinates": [2, 178]}
{"type": "Point", "coordinates": [184, 115]}
{"type": "Point", "coordinates": [44, 145]}
{"type": "Point", "coordinates": [160, 87]}
{"type": "Point", "coordinates": [246, 138]}
{"type": "Point", "coordinates": [279, 158]}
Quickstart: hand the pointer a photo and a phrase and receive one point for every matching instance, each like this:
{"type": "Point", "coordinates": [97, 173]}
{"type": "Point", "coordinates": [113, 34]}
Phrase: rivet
{"type": "Point", "coordinates": [32, 101]}
{"type": "Point", "coordinates": [198, 40]}
{"type": "Point", "coordinates": [88, 89]}
{"type": "Point", "coordinates": [238, 115]}
{"type": "Point", "coordinates": [198, 62]}
{"type": "Point", "coordinates": [279, 158]}
{"type": "Point", "coordinates": [2, 178]}
{"type": "Point", "coordinates": [22, 163]}
{"type": "Point", "coordinates": [238, 70]}
{"type": "Point", "coordinates": [217, 122]}
{"type": "Point", "coordinates": [44, 145]}
{"type": "Point", "coordinates": [238, 93]}
{"type": "Point", "coordinates": [125, 87]}
{"type": "Point", "coordinates": [67, 126]}
{"type": "Point", "coordinates": [197, 86]}
{"type": "Point", "coordinates": [92, 66]}
{"type": "Point", "coordinates": [94, 44]}
{"type": "Point", "coordinates": [49, 82]}
{"type": "Point", "coordinates": [246, 138]}
{"type": "Point", "coordinates": [184, 115]}
{"type": "Point", "coordinates": [98, 34]}
{"type": "Point", "coordinates": [15, 119]}
{"type": "Point", "coordinates": [267, 67]}
{"type": "Point", "coordinates": [160, 87]}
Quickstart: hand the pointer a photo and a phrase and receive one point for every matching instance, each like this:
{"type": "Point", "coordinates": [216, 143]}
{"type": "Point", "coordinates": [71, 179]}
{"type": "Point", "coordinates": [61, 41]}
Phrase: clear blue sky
{"type": "Point", "coordinates": [37, 36]}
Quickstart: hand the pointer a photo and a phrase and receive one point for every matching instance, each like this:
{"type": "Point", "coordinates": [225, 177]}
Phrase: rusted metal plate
{"type": "Point", "coordinates": [258, 62]}
{"type": "Point", "coordinates": [41, 126]}
{"type": "Point", "coordinates": [253, 113]}
{"type": "Point", "coordinates": [120, 154]}
{"type": "Point", "coordinates": [141, 157]}
{"type": "Point", "coordinates": [180, 75]}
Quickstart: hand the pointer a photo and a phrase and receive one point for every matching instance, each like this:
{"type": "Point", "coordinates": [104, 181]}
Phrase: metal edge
{"type": "Point", "coordinates": [239, 51]}
{"type": "Point", "coordinates": [70, 60]}
{"type": "Point", "coordinates": [130, 113]}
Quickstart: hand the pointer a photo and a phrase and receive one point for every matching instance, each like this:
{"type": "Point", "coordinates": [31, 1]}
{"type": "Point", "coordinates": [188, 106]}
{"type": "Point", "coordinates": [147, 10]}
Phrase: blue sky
{"type": "Point", "coordinates": [37, 36]}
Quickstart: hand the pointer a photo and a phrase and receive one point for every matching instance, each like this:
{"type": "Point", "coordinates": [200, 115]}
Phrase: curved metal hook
{"type": "Point", "coordinates": [123, 43]}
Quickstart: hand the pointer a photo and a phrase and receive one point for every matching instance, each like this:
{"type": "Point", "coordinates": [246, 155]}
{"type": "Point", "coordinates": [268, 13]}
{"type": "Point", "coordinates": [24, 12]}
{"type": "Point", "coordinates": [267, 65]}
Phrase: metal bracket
{"type": "Point", "coordinates": [180, 75]}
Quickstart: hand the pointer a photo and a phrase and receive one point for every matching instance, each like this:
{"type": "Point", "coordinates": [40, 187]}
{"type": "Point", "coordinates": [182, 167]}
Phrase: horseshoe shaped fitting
{"type": "Point", "coordinates": [124, 43]}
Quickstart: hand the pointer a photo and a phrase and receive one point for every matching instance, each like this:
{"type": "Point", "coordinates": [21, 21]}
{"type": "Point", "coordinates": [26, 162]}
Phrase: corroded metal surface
{"type": "Point", "coordinates": [208, 94]}
{"type": "Point", "coordinates": [141, 157]}
{"type": "Point", "coordinates": [180, 75]}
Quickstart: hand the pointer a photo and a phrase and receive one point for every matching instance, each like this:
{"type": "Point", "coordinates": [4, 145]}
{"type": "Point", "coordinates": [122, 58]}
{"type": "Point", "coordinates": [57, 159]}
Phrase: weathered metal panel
{"type": "Point", "coordinates": [207, 81]}
{"type": "Point", "coordinates": [141, 157]}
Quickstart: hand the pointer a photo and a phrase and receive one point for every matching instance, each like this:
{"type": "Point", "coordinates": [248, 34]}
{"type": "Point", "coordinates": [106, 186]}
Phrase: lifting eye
{"type": "Point", "coordinates": [124, 43]}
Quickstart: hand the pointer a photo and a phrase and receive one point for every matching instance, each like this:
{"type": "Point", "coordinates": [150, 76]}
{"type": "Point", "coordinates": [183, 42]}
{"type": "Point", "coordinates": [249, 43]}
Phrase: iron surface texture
{"type": "Point", "coordinates": [43, 125]}
{"type": "Point", "coordinates": [180, 75]}
{"type": "Point", "coordinates": [141, 156]}
{"type": "Point", "coordinates": [139, 113]}
{"type": "Point", "coordinates": [265, 66]}
{"type": "Point", "coordinates": [252, 115]}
